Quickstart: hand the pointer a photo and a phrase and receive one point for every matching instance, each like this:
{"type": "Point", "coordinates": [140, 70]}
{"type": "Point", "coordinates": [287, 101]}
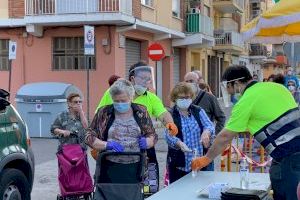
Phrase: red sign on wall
{"type": "Point", "coordinates": [156, 52]}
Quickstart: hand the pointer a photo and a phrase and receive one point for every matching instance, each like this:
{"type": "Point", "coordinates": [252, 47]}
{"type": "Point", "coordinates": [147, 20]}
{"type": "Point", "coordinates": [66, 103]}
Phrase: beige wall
{"type": "Point", "coordinates": [161, 13]}
{"type": "Point", "coordinates": [4, 9]}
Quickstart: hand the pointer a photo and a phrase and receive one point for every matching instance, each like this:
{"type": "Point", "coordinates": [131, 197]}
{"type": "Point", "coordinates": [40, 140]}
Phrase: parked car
{"type": "Point", "coordinates": [16, 156]}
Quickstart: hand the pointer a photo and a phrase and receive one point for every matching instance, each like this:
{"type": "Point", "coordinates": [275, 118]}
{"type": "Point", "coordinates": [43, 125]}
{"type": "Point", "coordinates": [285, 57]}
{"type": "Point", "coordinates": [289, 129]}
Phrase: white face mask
{"type": "Point", "coordinates": [140, 90]}
{"type": "Point", "coordinates": [291, 88]}
{"type": "Point", "coordinates": [183, 104]}
{"type": "Point", "coordinates": [289, 72]}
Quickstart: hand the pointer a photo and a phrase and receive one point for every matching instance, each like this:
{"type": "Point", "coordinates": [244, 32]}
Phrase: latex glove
{"type": "Point", "coordinates": [200, 162]}
{"type": "Point", "coordinates": [94, 154]}
{"type": "Point", "coordinates": [112, 145]}
{"type": "Point", "coordinates": [143, 143]}
{"type": "Point", "coordinates": [205, 138]}
{"type": "Point", "coordinates": [183, 147]}
{"type": "Point", "coordinates": [173, 130]}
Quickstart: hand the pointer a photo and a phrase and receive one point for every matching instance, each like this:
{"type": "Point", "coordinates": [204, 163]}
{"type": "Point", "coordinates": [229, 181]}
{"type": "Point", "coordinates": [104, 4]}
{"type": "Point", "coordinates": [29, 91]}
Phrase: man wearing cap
{"type": "Point", "coordinates": [269, 112]}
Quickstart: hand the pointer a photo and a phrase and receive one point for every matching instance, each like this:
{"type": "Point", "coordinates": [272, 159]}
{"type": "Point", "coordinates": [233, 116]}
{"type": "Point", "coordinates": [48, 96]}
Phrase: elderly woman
{"type": "Point", "coordinates": [123, 126]}
{"type": "Point", "coordinates": [195, 130]}
{"type": "Point", "coordinates": [71, 121]}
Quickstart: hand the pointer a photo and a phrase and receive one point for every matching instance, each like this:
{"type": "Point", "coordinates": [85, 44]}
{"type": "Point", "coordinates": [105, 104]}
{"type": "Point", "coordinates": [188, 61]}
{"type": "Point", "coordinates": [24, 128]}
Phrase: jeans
{"type": "Point", "coordinates": [175, 174]}
{"type": "Point", "coordinates": [285, 176]}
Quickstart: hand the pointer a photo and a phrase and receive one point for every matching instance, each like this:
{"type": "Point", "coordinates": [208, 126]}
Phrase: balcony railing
{"type": "Point", "coordinates": [228, 38]}
{"type": "Point", "coordinates": [239, 3]}
{"type": "Point", "coordinates": [54, 7]}
{"type": "Point", "coordinates": [198, 23]}
{"type": "Point", "coordinates": [258, 50]}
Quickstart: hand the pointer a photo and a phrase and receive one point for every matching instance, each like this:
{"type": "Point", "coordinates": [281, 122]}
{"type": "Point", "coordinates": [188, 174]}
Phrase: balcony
{"type": "Point", "coordinates": [228, 41]}
{"type": "Point", "coordinates": [198, 23]}
{"type": "Point", "coordinates": [59, 7]}
{"type": "Point", "coordinates": [229, 6]}
{"type": "Point", "coordinates": [258, 50]}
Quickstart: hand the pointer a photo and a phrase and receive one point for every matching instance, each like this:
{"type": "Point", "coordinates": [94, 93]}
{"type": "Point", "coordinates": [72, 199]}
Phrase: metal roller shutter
{"type": "Point", "coordinates": [176, 66]}
{"type": "Point", "coordinates": [133, 53]}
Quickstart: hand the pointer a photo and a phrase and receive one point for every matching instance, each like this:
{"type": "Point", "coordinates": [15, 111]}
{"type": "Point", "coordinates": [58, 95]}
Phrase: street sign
{"type": "Point", "coordinates": [89, 40]}
{"type": "Point", "coordinates": [156, 52]}
{"type": "Point", "coordinates": [12, 50]}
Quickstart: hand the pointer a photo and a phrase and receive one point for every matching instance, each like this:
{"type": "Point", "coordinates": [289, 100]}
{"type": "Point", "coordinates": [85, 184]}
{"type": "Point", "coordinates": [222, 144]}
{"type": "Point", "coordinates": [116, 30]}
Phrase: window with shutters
{"type": "Point", "coordinates": [68, 54]}
{"type": "Point", "coordinates": [4, 63]}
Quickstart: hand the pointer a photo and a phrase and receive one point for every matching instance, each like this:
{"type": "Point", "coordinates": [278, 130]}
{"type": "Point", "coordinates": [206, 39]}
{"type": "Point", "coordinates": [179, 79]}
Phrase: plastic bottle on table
{"type": "Point", "coordinates": [194, 172]}
{"type": "Point", "coordinates": [244, 174]}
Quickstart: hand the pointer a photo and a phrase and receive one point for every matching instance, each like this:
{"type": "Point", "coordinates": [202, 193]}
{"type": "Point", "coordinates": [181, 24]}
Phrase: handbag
{"type": "Point", "coordinates": [151, 179]}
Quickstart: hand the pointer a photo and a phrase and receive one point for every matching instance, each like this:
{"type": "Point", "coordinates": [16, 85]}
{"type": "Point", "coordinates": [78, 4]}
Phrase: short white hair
{"type": "Point", "coordinates": [122, 86]}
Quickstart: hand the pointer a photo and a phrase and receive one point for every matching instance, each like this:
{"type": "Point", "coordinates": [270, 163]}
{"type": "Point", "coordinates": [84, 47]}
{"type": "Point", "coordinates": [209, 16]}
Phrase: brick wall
{"type": "Point", "coordinates": [136, 9]}
{"type": "Point", "coordinates": [16, 8]}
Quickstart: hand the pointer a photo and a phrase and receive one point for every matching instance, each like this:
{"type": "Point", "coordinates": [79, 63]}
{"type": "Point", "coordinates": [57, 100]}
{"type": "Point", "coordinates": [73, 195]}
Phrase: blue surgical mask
{"type": "Point", "coordinates": [122, 107]}
{"type": "Point", "coordinates": [184, 104]}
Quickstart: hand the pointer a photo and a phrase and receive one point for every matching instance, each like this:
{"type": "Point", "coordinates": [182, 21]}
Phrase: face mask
{"type": "Point", "coordinates": [140, 90]}
{"type": "Point", "coordinates": [122, 107]}
{"type": "Point", "coordinates": [184, 104]}
{"type": "Point", "coordinates": [291, 88]}
{"type": "Point", "coordinates": [290, 73]}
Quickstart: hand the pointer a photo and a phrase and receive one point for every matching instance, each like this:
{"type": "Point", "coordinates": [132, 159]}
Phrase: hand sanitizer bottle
{"type": "Point", "coordinates": [194, 172]}
{"type": "Point", "coordinates": [244, 174]}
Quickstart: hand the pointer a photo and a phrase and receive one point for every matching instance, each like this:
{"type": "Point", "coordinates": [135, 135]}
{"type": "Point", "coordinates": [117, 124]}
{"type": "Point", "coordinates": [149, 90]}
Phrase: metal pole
{"type": "Point", "coordinates": [9, 76]}
{"type": "Point", "coordinates": [293, 56]}
{"type": "Point", "coordinates": [87, 87]}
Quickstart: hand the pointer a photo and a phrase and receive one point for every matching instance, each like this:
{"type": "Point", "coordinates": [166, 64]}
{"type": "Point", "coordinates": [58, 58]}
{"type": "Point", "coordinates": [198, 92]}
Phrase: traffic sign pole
{"type": "Point", "coordinates": [89, 49]}
{"type": "Point", "coordinates": [9, 76]}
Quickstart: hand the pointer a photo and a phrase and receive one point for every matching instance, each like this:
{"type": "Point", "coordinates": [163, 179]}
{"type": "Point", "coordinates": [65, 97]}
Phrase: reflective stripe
{"type": "Point", "coordinates": [261, 136]}
{"type": "Point", "coordinates": [283, 121]}
{"type": "Point", "coordinates": [288, 136]}
{"type": "Point", "coordinates": [270, 148]}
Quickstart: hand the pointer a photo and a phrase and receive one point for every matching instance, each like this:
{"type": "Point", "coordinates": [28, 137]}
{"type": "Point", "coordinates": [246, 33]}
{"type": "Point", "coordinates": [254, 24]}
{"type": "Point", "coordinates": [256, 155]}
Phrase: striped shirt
{"type": "Point", "coordinates": [191, 134]}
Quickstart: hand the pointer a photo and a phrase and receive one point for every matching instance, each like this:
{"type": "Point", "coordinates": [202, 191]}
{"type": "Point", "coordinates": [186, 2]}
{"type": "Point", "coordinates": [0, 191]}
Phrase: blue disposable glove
{"type": "Point", "coordinates": [112, 145]}
{"type": "Point", "coordinates": [143, 143]}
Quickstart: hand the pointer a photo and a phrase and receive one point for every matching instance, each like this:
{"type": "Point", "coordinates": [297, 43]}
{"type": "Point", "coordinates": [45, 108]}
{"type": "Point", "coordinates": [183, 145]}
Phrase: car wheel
{"type": "Point", "coordinates": [14, 185]}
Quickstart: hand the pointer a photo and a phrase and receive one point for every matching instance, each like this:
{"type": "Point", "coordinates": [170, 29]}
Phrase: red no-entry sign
{"type": "Point", "coordinates": [156, 52]}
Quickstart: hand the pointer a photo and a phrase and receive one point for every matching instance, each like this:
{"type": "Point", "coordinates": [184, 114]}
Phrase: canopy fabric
{"type": "Point", "coordinates": [277, 25]}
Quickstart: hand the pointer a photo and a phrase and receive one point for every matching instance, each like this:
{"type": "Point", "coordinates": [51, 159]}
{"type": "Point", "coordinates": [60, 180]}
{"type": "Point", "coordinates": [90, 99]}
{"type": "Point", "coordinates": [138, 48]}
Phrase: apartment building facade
{"type": "Point", "coordinates": [50, 34]}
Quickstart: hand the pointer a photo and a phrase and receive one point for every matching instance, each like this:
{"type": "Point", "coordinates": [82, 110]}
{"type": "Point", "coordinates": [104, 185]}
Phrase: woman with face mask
{"type": "Point", "coordinates": [122, 126]}
{"type": "Point", "coordinates": [194, 130]}
{"type": "Point", "coordinates": [294, 90]}
{"type": "Point", "coordinates": [70, 121]}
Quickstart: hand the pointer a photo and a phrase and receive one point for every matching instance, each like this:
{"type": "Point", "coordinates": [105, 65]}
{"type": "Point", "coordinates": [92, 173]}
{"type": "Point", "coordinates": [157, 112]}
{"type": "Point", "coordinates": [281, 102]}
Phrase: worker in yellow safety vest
{"type": "Point", "coordinates": [269, 112]}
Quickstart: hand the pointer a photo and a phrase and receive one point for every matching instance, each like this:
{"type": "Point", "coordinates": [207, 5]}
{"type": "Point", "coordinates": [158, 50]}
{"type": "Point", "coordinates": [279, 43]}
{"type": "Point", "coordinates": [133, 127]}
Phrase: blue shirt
{"type": "Point", "coordinates": [191, 134]}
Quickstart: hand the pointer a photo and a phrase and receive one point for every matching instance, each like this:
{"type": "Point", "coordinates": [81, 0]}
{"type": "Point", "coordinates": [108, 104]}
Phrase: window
{"type": "Point", "coordinates": [147, 2]}
{"type": "Point", "coordinates": [68, 54]}
{"type": "Point", "coordinates": [176, 8]}
{"type": "Point", "coordinates": [4, 63]}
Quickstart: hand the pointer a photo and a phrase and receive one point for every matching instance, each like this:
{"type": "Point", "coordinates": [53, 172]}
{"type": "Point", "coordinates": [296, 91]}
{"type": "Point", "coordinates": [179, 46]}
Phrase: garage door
{"type": "Point", "coordinates": [176, 66]}
{"type": "Point", "coordinates": [133, 53]}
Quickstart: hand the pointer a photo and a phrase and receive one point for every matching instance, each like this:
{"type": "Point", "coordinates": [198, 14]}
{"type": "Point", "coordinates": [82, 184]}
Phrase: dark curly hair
{"type": "Point", "coordinates": [236, 72]}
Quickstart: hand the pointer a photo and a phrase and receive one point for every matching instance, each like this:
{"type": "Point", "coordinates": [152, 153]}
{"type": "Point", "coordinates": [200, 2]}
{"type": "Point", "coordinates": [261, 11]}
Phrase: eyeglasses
{"type": "Point", "coordinates": [76, 101]}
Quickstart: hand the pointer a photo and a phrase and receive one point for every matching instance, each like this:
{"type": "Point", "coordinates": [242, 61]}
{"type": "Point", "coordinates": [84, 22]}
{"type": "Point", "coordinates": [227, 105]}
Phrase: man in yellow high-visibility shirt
{"type": "Point", "coordinates": [141, 77]}
{"type": "Point", "coordinates": [269, 112]}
